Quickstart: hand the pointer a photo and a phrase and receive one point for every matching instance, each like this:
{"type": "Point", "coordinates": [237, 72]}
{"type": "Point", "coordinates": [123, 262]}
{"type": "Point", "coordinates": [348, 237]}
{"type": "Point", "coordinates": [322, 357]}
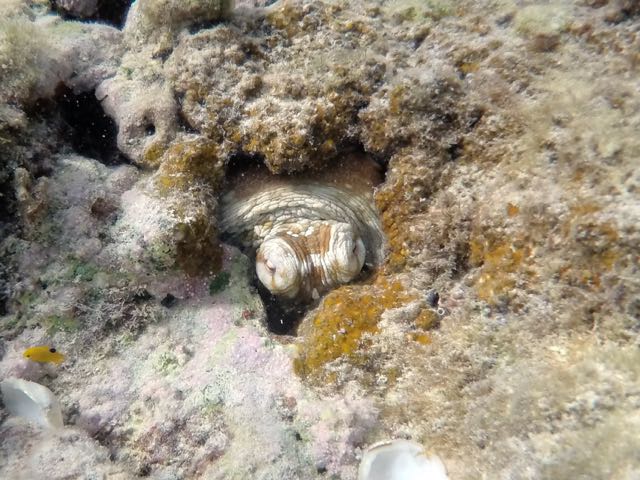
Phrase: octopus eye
{"type": "Point", "coordinates": [355, 247]}
{"type": "Point", "coordinates": [270, 266]}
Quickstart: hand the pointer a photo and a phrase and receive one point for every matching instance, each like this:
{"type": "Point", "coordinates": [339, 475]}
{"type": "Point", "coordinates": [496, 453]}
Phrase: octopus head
{"type": "Point", "coordinates": [345, 254]}
{"type": "Point", "coordinates": [305, 264]}
{"type": "Point", "coordinates": [278, 267]}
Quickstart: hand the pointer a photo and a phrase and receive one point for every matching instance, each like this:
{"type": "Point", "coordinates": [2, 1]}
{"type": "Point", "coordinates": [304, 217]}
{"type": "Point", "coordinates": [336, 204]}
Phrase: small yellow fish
{"type": "Point", "coordinates": [43, 354]}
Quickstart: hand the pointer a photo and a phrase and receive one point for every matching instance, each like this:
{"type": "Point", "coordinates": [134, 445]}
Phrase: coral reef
{"type": "Point", "coordinates": [316, 109]}
{"type": "Point", "coordinates": [509, 136]}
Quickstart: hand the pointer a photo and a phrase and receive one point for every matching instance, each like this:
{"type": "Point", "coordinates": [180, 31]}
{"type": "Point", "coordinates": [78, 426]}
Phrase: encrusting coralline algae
{"type": "Point", "coordinates": [509, 137]}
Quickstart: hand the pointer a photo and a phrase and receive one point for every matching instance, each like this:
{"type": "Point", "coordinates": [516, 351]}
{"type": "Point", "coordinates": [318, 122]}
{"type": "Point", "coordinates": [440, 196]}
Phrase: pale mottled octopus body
{"type": "Point", "coordinates": [310, 232]}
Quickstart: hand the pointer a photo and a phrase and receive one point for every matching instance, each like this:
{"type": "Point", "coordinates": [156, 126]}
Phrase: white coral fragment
{"type": "Point", "coordinates": [31, 401]}
{"type": "Point", "coordinates": [400, 460]}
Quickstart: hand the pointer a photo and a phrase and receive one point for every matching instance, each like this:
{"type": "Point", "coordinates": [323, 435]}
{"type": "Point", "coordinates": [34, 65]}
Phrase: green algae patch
{"type": "Point", "coordinates": [9, 323]}
{"type": "Point", "coordinates": [426, 319]}
{"type": "Point", "coordinates": [343, 325]}
{"type": "Point", "coordinates": [84, 272]}
{"type": "Point", "coordinates": [287, 18]}
{"type": "Point", "coordinates": [152, 156]}
{"type": "Point", "coordinates": [219, 282]}
{"type": "Point", "coordinates": [59, 323]}
{"type": "Point", "coordinates": [183, 12]}
{"type": "Point", "coordinates": [166, 363]}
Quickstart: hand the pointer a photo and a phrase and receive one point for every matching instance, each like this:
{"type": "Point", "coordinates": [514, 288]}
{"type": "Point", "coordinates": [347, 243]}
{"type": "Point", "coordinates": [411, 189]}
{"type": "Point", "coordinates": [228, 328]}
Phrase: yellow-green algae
{"type": "Point", "coordinates": [189, 172]}
{"type": "Point", "coordinates": [188, 164]}
{"type": "Point", "coordinates": [506, 259]}
{"type": "Point", "coordinates": [341, 326]}
{"type": "Point", "coordinates": [503, 262]}
{"type": "Point", "coordinates": [394, 213]}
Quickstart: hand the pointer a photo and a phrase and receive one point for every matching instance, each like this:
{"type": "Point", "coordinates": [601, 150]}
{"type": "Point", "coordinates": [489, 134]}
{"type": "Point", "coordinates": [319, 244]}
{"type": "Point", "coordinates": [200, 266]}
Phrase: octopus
{"type": "Point", "coordinates": [308, 232]}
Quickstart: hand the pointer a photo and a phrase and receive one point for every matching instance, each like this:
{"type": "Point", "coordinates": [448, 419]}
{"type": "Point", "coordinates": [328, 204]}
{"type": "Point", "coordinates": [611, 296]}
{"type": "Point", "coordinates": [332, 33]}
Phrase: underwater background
{"type": "Point", "coordinates": [449, 191]}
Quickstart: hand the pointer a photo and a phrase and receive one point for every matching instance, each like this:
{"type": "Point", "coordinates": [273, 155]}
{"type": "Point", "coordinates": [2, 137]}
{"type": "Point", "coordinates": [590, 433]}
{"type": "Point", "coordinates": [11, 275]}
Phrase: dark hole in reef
{"type": "Point", "coordinates": [242, 162]}
{"type": "Point", "coordinates": [455, 150]}
{"type": "Point", "coordinates": [7, 204]}
{"type": "Point", "coordinates": [145, 470]}
{"type": "Point", "coordinates": [89, 130]}
{"type": "Point", "coordinates": [112, 12]}
{"type": "Point", "coordinates": [168, 301]}
{"type": "Point", "coordinates": [504, 20]}
{"type": "Point", "coordinates": [8, 219]}
{"type": "Point", "coordinates": [4, 292]}
{"type": "Point", "coordinates": [282, 318]}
